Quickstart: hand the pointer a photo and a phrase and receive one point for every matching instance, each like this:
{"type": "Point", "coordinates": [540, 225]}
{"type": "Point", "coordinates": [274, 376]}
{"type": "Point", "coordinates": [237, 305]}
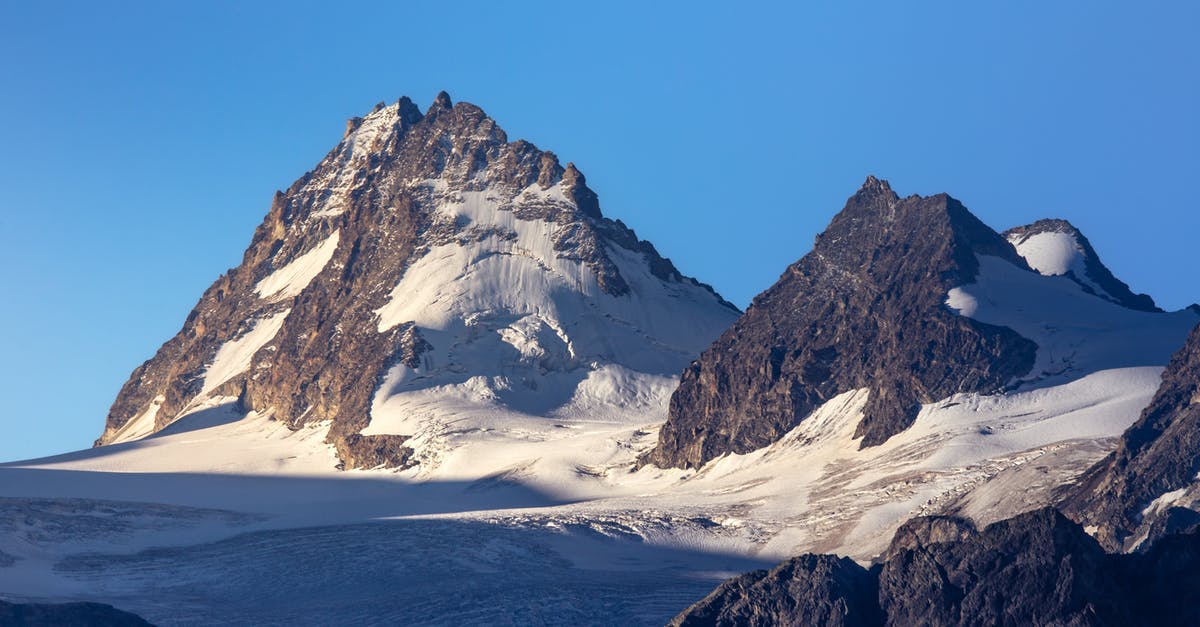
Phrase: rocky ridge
{"type": "Point", "coordinates": [303, 328]}
{"type": "Point", "coordinates": [1038, 568]}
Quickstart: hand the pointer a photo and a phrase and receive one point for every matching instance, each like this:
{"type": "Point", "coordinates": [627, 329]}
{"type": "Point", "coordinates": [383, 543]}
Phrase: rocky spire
{"type": "Point", "coordinates": [441, 102]}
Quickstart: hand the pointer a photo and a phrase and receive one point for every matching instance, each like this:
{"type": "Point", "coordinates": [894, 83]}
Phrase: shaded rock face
{"type": "Point", "coordinates": [1038, 568]}
{"type": "Point", "coordinates": [806, 590]}
{"type": "Point", "coordinates": [1035, 569]}
{"type": "Point", "coordinates": [295, 330]}
{"type": "Point", "coordinates": [1149, 487]}
{"type": "Point", "coordinates": [65, 614]}
{"type": "Point", "coordinates": [865, 309]}
{"type": "Point", "coordinates": [1066, 252]}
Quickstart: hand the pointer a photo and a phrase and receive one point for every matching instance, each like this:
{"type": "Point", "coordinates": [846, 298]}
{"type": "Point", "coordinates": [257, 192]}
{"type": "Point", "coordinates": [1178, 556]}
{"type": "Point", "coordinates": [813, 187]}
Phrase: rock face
{"type": "Point", "coordinates": [1057, 248]}
{"type": "Point", "coordinates": [1038, 568]}
{"type": "Point", "coordinates": [1148, 487]}
{"type": "Point", "coordinates": [865, 309]}
{"type": "Point", "coordinates": [1035, 569]}
{"type": "Point", "coordinates": [326, 303]}
{"type": "Point", "coordinates": [65, 614]}
{"type": "Point", "coordinates": [806, 590]}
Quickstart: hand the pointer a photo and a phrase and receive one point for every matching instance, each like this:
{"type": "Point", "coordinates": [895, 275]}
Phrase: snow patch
{"type": "Point", "coordinates": [291, 279]}
{"type": "Point", "coordinates": [140, 425]}
{"type": "Point", "coordinates": [233, 358]}
{"type": "Point", "coordinates": [1165, 501]}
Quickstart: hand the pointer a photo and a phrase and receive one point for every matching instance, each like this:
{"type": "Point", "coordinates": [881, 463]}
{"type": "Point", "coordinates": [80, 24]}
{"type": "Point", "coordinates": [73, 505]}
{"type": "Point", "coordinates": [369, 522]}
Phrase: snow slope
{"type": "Point", "coordinates": [524, 342]}
{"type": "Point", "coordinates": [233, 358]}
{"type": "Point", "coordinates": [1076, 332]}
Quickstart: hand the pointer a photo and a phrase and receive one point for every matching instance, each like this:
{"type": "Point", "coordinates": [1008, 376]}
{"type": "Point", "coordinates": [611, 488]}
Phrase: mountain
{"type": "Point", "coordinates": [1038, 568]}
{"type": "Point", "coordinates": [1150, 485]}
{"type": "Point", "coordinates": [448, 318]}
{"type": "Point", "coordinates": [915, 300]}
{"type": "Point", "coordinates": [1056, 248]}
{"type": "Point", "coordinates": [1029, 565]}
{"type": "Point", "coordinates": [427, 256]}
{"type": "Point", "coordinates": [866, 309]}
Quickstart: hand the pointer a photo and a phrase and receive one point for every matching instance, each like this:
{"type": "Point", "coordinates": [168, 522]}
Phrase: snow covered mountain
{"type": "Point", "coordinates": [428, 260]}
{"type": "Point", "coordinates": [494, 366]}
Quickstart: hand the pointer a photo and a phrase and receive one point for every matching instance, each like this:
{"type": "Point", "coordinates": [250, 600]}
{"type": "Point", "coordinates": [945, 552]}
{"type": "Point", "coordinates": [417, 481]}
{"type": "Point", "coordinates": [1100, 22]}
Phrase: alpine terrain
{"type": "Point", "coordinates": [443, 388]}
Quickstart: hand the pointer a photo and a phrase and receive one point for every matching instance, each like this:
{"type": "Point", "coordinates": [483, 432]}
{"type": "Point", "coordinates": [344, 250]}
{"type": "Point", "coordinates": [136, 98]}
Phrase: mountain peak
{"type": "Point", "coordinates": [427, 254]}
{"type": "Point", "coordinates": [407, 111]}
{"type": "Point", "coordinates": [876, 186]}
{"type": "Point", "coordinates": [441, 101]}
{"type": "Point", "coordinates": [864, 309]}
{"type": "Point", "coordinates": [1055, 247]}
{"type": "Point", "coordinates": [576, 186]}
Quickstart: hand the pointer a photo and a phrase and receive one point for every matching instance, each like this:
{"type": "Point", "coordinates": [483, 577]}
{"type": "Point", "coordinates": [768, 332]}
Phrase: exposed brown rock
{"type": "Point", "coordinates": [373, 451]}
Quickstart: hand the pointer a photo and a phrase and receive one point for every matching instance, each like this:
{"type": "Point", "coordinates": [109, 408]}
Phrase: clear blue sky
{"type": "Point", "coordinates": [141, 142]}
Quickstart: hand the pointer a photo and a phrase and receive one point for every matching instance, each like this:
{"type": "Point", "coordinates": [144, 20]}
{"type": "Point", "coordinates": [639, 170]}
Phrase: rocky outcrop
{"type": "Point", "coordinates": [1035, 569]}
{"type": "Point", "coordinates": [1038, 568]}
{"type": "Point", "coordinates": [66, 614]}
{"type": "Point", "coordinates": [1148, 487]}
{"type": "Point", "coordinates": [806, 590]}
{"type": "Point", "coordinates": [865, 309]}
{"type": "Point", "coordinates": [373, 451]}
{"type": "Point", "coordinates": [1068, 253]}
{"type": "Point", "coordinates": [296, 330]}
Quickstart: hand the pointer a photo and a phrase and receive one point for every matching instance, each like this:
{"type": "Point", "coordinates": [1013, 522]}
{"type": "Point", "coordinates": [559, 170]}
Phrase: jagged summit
{"type": "Point", "coordinates": [425, 254]}
{"type": "Point", "coordinates": [441, 101]}
{"type": "Point", "coordinates": [1055, 247]}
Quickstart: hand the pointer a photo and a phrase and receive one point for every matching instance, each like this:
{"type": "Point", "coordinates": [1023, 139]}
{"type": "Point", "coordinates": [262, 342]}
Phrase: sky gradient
{"type": "Point", "coordinates": [142, 144]}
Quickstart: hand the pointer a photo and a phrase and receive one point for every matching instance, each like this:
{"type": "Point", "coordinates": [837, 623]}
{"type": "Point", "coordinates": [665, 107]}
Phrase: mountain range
{"type": "Point", "coordinates": [443, 387]}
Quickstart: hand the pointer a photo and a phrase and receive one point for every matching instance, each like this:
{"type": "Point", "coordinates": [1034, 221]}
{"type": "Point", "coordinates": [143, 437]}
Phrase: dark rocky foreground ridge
{"type": "Point", "coordinates": [1038, 568]}
{"type": "Point", "coordinates": [1150, 485]}
{"type": "Point", "coordinates": [66, 615]}
{"type": "Point", "coordinates": [864, 309]}
{"type": "Point", "coordinates": [373, 200]}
